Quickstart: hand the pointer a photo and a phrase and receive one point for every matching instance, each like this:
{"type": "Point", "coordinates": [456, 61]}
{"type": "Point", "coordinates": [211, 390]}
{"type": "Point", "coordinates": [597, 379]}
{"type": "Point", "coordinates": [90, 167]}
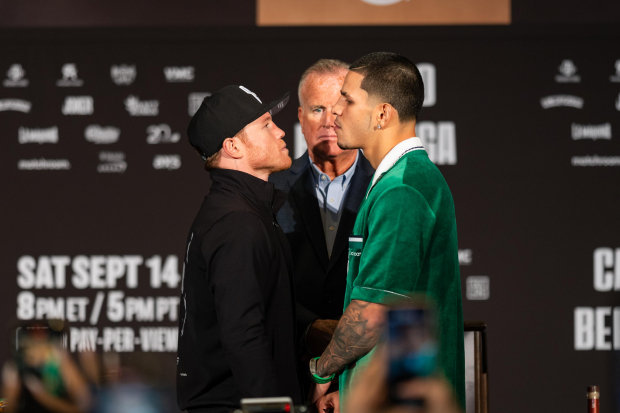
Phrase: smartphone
{"type": "Point", "coordinates": [267, 405]}
{"type": "Point", "coordinates": [37, 346]}
{"type": "Point", "coordinates": [412, 346]}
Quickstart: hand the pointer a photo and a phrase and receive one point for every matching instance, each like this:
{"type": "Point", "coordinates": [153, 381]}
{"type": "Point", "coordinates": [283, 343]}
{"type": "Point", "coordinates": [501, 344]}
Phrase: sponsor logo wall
{"type": "Point", "coordinates": [101, 187]}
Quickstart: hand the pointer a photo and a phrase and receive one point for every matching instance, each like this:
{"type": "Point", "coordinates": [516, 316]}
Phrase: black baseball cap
{"type": "Point", "coordinates": [224, 114]}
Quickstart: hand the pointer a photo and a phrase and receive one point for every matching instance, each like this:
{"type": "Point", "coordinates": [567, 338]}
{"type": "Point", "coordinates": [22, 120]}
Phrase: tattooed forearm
{"type": "Point", "coordinates": [357, 332]}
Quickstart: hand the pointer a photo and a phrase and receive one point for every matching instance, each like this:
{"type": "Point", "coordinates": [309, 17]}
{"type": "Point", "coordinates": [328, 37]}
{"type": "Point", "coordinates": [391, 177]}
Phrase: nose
{"type": "Point", "coordinates": [328, 121]}
{"type": "Point", "coordinates": [337, 109]}
{"type": "Point", "coordinates": [278, 132]}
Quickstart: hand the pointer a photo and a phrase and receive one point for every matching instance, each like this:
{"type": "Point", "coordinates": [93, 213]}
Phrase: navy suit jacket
{"type": "Point", "coordinates": [320, 281]}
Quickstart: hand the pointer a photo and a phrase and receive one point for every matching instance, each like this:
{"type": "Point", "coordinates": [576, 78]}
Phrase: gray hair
{"type": "Point", "coordinates": [322, 67]}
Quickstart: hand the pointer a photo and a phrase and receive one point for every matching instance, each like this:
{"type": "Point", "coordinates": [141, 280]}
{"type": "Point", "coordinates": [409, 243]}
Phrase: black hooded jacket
{"type": "Point", "coordinates": [237, 318]}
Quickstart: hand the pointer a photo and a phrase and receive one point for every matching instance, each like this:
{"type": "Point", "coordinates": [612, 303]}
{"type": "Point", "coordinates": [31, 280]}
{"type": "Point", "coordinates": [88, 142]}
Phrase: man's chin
{"type": "Point", "coordinates": [283, 165]}
{"type": "Point", "coordinates": [326, 150]}
{"type": "Point", "coordinates": [287, 163]}
{"type": "Point", "coordinates": [343, 145]}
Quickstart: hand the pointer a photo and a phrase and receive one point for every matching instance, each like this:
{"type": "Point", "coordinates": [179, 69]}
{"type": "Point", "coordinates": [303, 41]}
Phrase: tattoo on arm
{"type": "Point", "coordinates": [352, 339]}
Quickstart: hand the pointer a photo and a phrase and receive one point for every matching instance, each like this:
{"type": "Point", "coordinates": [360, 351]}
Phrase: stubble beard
{"type": "Point", "coordinates": [344, 145]}
{"type": "Point", "coordinates": [341, 142]}
{"type": "Point", "coordinates": [284, 164]}
{"type": "Point", "coordinates": [263, 160]}
{"type": "Point", "coordinates": [361, 137]}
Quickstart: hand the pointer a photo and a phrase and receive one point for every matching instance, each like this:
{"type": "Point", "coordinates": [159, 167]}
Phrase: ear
{"type": "Point", "coordinates": [233, 147]}
{"type": "Point", "coordinates": [384, 114]}
{"type": "Point", "coordinates": [300, 112]}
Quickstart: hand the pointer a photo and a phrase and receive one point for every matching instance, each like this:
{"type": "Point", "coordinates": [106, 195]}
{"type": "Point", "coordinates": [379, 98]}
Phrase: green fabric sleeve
{"type": "Point", "coordinates": [400, 225]}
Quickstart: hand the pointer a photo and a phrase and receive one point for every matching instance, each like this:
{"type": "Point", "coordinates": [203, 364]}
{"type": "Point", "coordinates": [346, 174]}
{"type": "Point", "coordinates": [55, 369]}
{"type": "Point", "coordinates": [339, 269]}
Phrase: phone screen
{"type": "Point", "coordinates": [412, 345]}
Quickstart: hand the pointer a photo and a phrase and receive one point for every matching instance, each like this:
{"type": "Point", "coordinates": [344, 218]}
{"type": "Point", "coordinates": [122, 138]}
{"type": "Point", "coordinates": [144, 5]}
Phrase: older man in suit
{"type": "Point", "coordinates": [325, 188]}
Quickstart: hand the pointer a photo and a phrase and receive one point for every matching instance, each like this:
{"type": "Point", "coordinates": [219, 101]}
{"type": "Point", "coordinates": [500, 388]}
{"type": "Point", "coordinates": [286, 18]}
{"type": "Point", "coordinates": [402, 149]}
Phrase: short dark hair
{"type": "Point", "coordinates": [395, 80]}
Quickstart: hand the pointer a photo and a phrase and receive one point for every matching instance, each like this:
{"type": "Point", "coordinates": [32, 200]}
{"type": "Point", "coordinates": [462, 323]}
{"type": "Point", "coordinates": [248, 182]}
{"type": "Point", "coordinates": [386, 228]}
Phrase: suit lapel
{"type": "Point", "coordinates": [304, 193]}
{"type": "Point", "coordinates": [353, 199]}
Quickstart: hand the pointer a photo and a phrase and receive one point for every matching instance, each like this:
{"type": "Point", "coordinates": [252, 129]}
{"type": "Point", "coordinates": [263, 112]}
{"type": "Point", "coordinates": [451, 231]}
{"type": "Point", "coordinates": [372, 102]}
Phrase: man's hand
{"type": "Point", "coordinates": [369, 394]}
{"type": "Point", "coordinates": [317, 391]}
{"type": "Point", "coordinates": [330, 403]}
{"type": "Point", "coordinates": [319, 335]}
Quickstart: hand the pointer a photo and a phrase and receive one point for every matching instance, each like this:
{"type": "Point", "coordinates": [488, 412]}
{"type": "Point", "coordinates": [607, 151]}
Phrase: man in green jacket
{"type": "Point", "coordinates": [404, 240]}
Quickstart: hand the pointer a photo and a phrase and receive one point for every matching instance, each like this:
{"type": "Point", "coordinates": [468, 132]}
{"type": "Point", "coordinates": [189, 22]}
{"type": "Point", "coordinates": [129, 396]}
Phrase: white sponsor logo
{"type": "Point", "coordinates": [429, 77]}
{"type": "Point", "coordinates": [18, 105]}
{"type": "Point", "coordinates": [161, 134]}
{"type": "Point", "coordinates": [195, 100]}
{"type": "Point", "coordinates": [179, 74]}
{"type": "Point", "coordinates": [43, 164]}
{"type": "Point", "coordinates": [69, 76]}
{"type": "Point", "coordinates": [249, 92]}
{"type": "Point", "coordinates": [561, 100]}
{"type": "Point", "coordinates": [616, 78]}
{"type": "Point", "coordinates": [123, 74]}
{"type": "Point", "coordinates": [465, 257]}
{"type": "Point", "coordinates": [111, 162]}
{"type": "Point", "coordinates": [106, 156]}
{"type": "Point", "coordinates": [439, 140]}
{"type": "Point", "coordinates": [594, 132]}
{"type": "Point", "coordinates": [568, 72]}
{"type": "Point", "coordinates": [382, 2]}
{"type": "Point", "coordinates": [478, 287]}
{"type": "Point", "coordinates": [169, 162]}
{"type": "Point", "coordinates": [78, 105]}
{"type": "Point", "coordinates": [40, 136]}
{"type": "Point", "coordinates": [595, 160]}
{"type": "Point", "coordinates": [101, 134]}
{"type": "Point", "coordinates": [15, 76]}
{"type": "Point", "coordinates": [137, 107]}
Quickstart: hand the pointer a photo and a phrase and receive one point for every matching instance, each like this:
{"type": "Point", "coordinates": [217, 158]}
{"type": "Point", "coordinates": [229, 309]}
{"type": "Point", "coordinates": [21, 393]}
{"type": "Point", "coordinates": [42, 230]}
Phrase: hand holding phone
{"type": "Point", "coordinates": [412, 347]}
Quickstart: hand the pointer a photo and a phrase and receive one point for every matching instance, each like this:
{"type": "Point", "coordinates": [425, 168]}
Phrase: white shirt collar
{"type": "Point", "coordinates": [408, 145]}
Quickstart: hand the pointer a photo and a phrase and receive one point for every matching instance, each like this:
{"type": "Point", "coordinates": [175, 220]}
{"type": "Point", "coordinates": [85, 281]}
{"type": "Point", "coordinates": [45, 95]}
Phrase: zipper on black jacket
{"type": "Point", "coordinates": [274, 218]}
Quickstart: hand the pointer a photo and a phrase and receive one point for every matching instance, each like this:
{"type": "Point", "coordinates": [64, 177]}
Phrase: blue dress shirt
{"type": "Point", "coordinates": [331, 195]}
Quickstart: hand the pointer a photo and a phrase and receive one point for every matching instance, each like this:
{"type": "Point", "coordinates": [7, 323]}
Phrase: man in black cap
{"type": "Point", "coordinates": [237, 320]}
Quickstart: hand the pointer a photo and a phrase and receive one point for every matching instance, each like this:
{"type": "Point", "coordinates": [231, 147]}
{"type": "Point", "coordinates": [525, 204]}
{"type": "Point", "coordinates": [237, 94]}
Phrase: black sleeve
{"type": "Point", "coordinates": [305, 317]}
{"type": "Point", "coordinates": [238, 256]}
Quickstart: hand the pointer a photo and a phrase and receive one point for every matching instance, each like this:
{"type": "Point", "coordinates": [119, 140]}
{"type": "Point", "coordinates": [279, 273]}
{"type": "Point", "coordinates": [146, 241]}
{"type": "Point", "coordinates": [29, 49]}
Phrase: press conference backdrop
{"type": "Point", "coordinates": [99, 184]}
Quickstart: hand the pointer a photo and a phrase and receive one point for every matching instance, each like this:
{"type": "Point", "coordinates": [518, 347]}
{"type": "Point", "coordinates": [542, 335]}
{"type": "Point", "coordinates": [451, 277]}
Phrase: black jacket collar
{"type": "Point", "coordinates": [248, 185]}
